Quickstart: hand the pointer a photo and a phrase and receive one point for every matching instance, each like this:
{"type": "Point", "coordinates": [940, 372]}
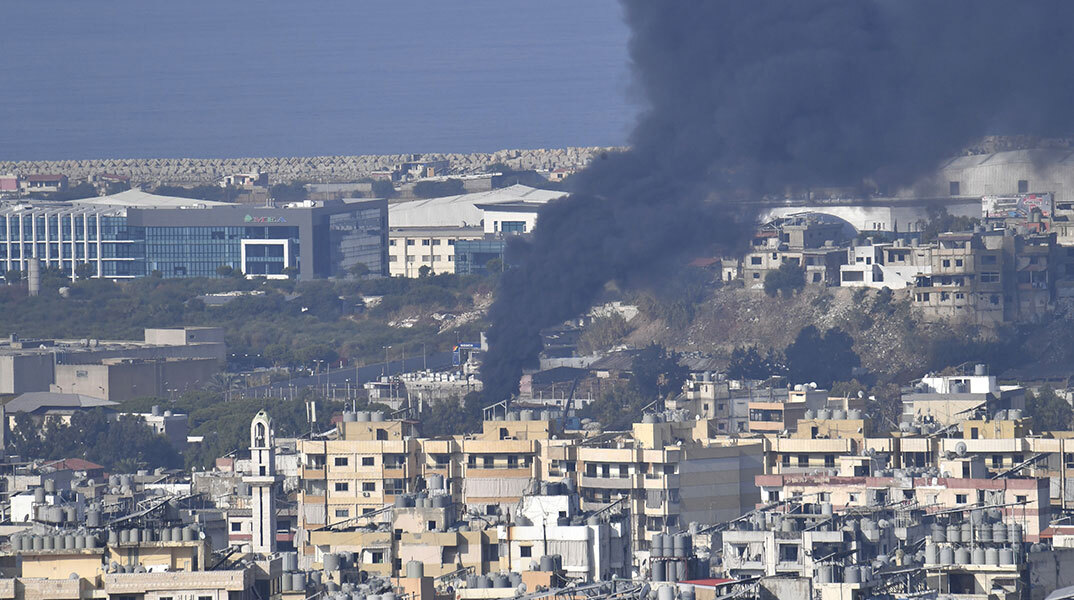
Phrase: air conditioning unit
{"type": "Point", "coordinates": [366, 494]}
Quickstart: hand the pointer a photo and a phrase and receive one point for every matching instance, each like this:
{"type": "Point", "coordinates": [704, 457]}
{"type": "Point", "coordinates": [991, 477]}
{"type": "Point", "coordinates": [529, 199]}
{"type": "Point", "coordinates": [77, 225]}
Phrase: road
{"type": "Point", "coordinates": [338, 380]}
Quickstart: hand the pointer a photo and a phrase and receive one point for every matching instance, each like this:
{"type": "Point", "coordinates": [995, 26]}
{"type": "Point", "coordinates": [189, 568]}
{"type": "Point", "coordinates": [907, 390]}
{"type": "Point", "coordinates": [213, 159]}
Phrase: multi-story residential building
{"type": "Point", "coordinates": [775, 411]}
{"type": "Point", "coordinates": [990, 277]}
{"type": "Point", "coordinates": [724, 403]}
{"type": "Point", "coordinates": [966, 280]}
{"type": "Point", "coordinates": [951, 399]}
{"type": "Point", "coordinates": [411, 248]}
{"type": "Point", "coordinates": [343, 480]}
{"type": "Point", "coordinates": [892, 265]}
{"type": "Point", "coordinates": [668, 474]}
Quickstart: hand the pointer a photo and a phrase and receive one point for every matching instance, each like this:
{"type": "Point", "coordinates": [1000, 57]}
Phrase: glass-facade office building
{"type": "Point", "coordinates": [309, 239]}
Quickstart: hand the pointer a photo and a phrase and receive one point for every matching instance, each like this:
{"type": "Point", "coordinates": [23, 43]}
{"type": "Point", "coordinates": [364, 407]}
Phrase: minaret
{"type": "Point", "coordinates": [262, 484]}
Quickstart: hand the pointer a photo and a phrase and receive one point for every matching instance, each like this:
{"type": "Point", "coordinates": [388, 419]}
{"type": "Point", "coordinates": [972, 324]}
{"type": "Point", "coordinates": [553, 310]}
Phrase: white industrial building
{"type": "Point", "coordinates": [423, 233]}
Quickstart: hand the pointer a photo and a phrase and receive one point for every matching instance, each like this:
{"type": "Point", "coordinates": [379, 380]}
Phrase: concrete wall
{"type": "Point", "coordinates": [26, 373]}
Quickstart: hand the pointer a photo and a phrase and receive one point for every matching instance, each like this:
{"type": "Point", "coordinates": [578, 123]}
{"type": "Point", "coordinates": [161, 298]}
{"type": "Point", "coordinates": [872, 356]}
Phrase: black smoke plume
{"type": "Point", "coordinates": [753, 97]}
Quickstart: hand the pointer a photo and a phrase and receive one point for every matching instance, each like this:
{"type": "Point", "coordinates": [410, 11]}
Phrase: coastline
{"type": "Point", "coordinates": [313, 169]}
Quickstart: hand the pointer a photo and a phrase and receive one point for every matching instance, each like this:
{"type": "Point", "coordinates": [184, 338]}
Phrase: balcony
{"type": "Point", "coordinates": [617, 483]}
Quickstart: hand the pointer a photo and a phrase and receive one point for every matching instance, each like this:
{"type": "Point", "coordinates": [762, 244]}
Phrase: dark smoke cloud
{"type": "Point", "coordinates": [754, 97]}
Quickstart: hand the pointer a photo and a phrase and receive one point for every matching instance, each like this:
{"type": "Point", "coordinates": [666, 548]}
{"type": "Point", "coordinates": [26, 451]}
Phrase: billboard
{"type": "Point", "coordinates": [1016, 207]}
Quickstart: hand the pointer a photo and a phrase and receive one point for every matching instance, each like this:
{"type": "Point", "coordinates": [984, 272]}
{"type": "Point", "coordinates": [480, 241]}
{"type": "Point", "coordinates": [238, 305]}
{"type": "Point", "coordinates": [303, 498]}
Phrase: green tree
{"type": "Point", "coordinates": [449, 416]}
{"type": "Point", "coordinates": [75, 192]}
{"type": "Point", "coordinates": [438, 189]}
{"type": "Point", "coordinates": [823, 359]}
{"type": "Point", "coordinates": [225, 270]}
{"type": "Point", "coordinates": [96, 436]}
{"type": "Point", "coordinates": [288, 192]}
{"type": "Point", "coordinates": [1049, 411]}
{"type": "Point", "coordinates": [787, 280]}
{"type": "Point", "coordinates": [13, 276]}
{"type": "Point", "coordinates": [940, 221]}
{"type": "Point", "coordinates": [603, 332]}
{"type": "Point", "coordinates": [85, 270]}
{"type": "Point", "coordinates": [657, 373]}
{"type": "Point", "coordinates": [748, 363]}
{"type": "Point", "coordinates": [616, 408]}
{"type": "Point", "coordinates": [383, 188]}
{"type": "Point", "coordinates": [359, 270]}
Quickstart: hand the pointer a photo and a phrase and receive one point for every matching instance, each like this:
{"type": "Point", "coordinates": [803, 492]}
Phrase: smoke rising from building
{"type": "Point", "coordinates": [745, 99]}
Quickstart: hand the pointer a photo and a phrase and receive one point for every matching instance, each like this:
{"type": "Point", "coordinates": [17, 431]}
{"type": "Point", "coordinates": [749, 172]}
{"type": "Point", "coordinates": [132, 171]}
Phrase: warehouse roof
{"type": "Point", "coordinates": [37, 401]}
{"type": "Point", "coordinates": [139, 199]}
{"type": "Point", "coordinates": [462, 210]}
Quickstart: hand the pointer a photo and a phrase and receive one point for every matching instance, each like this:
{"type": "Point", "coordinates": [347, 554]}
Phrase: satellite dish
{"type": "Point", "coordinates": [521, 589]}
{"type": "Point", "coordinates": [960, 448]}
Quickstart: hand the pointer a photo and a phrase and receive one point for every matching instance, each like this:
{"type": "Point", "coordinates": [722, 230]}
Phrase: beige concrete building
{"type": "Point", "coordinates": [411, 248]}
{"type": "Point", "coordinates": [668, 474]}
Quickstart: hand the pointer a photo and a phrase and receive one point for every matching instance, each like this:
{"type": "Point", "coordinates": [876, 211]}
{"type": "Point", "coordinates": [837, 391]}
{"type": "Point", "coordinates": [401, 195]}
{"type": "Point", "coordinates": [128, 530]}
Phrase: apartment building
{"type": "Point", "coordinates": [411, 248]}
{"type": "Point", "coordinates": [775, 411]}
{"type": "Point", "coordinates": [342, 480]}
{"type": "Point", "coordinates": [724, 403]}
{"type": "Point", "coordinates": [669, 474]}
{"type": "Point", "coordinates": [951, 399]}
{"type": "Point", "coordinates": [892, 265]}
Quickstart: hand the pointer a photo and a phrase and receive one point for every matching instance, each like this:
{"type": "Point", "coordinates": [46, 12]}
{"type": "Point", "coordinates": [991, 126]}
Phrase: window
{"type": "Point", "coordinates": [958, 262]}
{"type": "Point", "coordinates": [525, 551]}
{"type": "Point", "coordinates": [960, 498]}
{"type": "Point", "coordinates": [953, 188]}
{"type": "Point", "coordinates": [376, 557]}
{"type": "Point", "coordinates": [425, 242]}
{"type": "Point", "coordinates": [829, 460]}
{"type": "Point", "coordinates": [489, 462]}
{"type": "Point", "coordinates": [382, 435]}
{"type": "Point", "coordinates": [436, 242]}
{"type": "Point", "coordinates": [513, 227]}
{"type": "Point", "coordinates": [367, 461]}
{"type": "Point", "coordinates": [342, 513]}
{"type": "Point", "coordinates": [1020, 499]}
{"type": "Point", "coordinates": [236, 526]}
{"type": "Point", "coordinates": [410, 242]}
{"type": "Point", "coordinates": [1023, 186]}
{"type": "Point", "coordinates": [946, 262]}
{"type": "Point", "coordinates": [342, 486]}
{"type": "Point", "coordinates": [431, 525]}
{"type": "Point", "coordinates": [369, 486]}
{"type": "Point", "coordinates": [788, 553]}
{"type": "Point", "coordinates": [989, 277]}
{"type": "Point", "coordinates": [803, 460]}
{"type": "Point", "coordinates": [755, 260]}
{"type": "Point", "coordinates": [773, 495]}
{"type": "Point", "coordinates": [988, 259]}
{"type": "Point", "coordinates": [340, 461]}
{"type": "Point", "coordinates": [391, 242]}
